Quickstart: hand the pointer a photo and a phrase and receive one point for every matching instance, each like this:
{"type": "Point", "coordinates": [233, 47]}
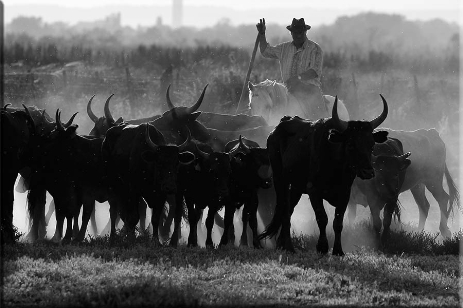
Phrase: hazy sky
{"type": "Point", "coordinates": [238, 11]}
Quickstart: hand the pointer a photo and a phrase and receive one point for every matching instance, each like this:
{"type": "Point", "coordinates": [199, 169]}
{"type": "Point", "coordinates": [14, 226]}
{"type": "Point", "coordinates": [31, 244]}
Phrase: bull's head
{"type": "Point", "coordinates": [239, 148]}
{"type": "Point", "coordinates": [216, 170]}
{"type": "Point", "coordinates": [165, 160]}
{"type": "Point", "coordinates": [102, 124]}
{"type": "Point", "coordinates": [65, 128]}
{"type": "Point", "coordinates": [389, 173]}
{"type": "Point", "coordinates": [183, 113]}
{"type": "Point", "coordinates": [358, 139]}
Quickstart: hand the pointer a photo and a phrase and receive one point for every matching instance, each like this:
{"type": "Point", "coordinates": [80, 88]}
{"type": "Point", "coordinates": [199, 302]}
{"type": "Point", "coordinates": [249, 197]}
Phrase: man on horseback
{"type": "Point", "coordinates": [300, 64]}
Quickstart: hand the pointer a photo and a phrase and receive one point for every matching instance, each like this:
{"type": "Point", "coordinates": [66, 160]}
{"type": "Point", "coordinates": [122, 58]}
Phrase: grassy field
{"type": "Point", "coordinates": [420, 272]}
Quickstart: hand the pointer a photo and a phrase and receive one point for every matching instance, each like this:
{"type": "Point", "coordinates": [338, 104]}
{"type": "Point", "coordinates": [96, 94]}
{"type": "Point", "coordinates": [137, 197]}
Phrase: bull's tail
{"type": "Point", "coordinates": [274, 226]}
{"type": "Point", "coordinates": [272, 229]}
{"type": "Point", "coordinates": [454, 195]}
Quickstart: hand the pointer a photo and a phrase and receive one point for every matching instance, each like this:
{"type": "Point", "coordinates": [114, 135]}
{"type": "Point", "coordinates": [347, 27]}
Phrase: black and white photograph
{"type": "Point", "coordinates": [208, 153]}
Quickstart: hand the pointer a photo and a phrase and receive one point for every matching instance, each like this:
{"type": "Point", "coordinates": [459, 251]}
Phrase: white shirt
{"type": "Point", "coordinates": [309, 56]}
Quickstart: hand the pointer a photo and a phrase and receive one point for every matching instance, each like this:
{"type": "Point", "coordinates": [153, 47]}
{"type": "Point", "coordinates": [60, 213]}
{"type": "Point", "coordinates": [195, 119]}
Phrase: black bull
{"type": "Point", "coordinates": [427, 170]}
{"type": "Point", "coordinates": [320, 158]}
{"type": "Point", "coordinates": [16, 127]}
{"type": "Point", "coordinates": [142, 164]}
{"type": "Point", "coordinates": [390, 164]}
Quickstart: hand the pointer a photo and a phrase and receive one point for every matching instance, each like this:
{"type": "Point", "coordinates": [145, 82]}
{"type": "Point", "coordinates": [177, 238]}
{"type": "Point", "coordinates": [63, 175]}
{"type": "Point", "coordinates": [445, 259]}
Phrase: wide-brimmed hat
{"type": "Point", "coordinates": [298, 25]}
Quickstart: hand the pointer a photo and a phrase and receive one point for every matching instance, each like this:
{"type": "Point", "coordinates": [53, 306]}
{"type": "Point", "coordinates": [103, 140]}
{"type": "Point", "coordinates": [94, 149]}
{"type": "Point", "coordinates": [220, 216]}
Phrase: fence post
{"type": "Point", "coordinates": [355, 103]}
{"type": "Point", "coordinates": [128, 79]}
{"type": "Point", "coordinates": [417, 95]}
{"type": "Point", "coordinates": [65, 81]}
{"type": "Point", "coordinates": [382, 83]}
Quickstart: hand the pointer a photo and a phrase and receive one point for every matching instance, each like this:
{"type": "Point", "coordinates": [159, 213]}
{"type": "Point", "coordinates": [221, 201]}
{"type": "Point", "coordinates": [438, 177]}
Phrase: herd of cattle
{"type": "Point", "coordinates": [201, 159]}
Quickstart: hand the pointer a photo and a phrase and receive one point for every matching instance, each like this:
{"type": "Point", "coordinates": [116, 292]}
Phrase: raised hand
{"type": "Point", "coordinates": [261, 26]}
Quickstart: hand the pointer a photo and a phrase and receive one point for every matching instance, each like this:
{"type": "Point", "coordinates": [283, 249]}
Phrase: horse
{"type": "Point", "coordinates": [272, 101]}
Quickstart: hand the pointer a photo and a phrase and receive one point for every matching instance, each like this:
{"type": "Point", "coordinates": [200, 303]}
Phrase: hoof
{"type": "Point", "coordinates": [257, 245]}
{"type": "Point", "coordinates": [192, 245]}
{"type": "Point", "coordinates": [322, 248]}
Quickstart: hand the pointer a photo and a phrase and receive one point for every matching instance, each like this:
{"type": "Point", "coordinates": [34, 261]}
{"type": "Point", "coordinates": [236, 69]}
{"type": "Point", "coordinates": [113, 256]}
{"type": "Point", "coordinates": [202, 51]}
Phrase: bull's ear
{"type": "Point", "coordinates": [336, 137]}
{"type": "Point", "coordinates": [119, 121]}
{"type": "Point", "coordinates": [405, 164]}
{"type": "Point", "coordinates": [71, 130]}
{"type": "Point", "coordinates": [195, 115]}
{"type": "Point", "coordinates": [186, 157]}
{"type": "Point", "coordinates": [148, 156]}
{"type": "Point", "coordinates": [380, 136]}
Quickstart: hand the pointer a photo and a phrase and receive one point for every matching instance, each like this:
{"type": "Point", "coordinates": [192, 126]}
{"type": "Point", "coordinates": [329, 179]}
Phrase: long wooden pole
{"type": "Point", "coordinates": [248, 75]}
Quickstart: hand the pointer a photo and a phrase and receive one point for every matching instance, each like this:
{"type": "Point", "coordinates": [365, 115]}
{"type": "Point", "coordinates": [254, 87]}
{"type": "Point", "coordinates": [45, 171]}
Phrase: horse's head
{"type": "Point", "coordinates": [263, 97]}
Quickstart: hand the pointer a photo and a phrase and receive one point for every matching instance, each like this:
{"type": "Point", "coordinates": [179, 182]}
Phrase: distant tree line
{"type": "Point", "coordinates": [364, 42]}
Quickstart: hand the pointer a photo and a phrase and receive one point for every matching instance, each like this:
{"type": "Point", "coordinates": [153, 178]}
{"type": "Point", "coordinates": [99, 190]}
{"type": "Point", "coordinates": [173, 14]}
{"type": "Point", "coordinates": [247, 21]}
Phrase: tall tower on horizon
{"type": "Point", "coordinates": [177, 13]}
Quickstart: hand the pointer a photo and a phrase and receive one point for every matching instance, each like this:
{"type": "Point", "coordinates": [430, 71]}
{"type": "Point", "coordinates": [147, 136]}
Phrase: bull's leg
{"type": "Point", "coordinates": [93, 221]}
{"type": "Point", "coordinates": [68, 235]}
{"type": "Point", "coordinates": [113, 216]}
{"type": "Point", "coordinates": [228, 224]}
{"type": "Point", "coordinates": [7, 197]}
{"type": "Point", "coordinates": [177, 220]}
{"type": "Point", "coordinates": [337, 226]}
{"type": "Point", "coordinates": [166, 219]}
{"type": "Point", "coordinates": [75, 228]}
{"type": "Point", "coordinates": [245, 220]}
{"type": "Point", "coordinates": [59, 223]}
{"type": "Point", "coordinates": [37, 199]}
{"type": "Point", "coordinates": [209, 226]}
{"type": "Point", "coordinates": [156, 202]}
{"type": "Point", "coordinates": [388, 211]}
{"type": "Point", "coordinates": [88, 209]}
{"type": "Point", "coordinates": [252, 206]}
{"type": "Point", "coordinates": [419, 195]}
{"type": "Point", "coordinates": [142, 211]}
{"type": "Point", "coordinates": [193, 222]}
{"type": "Point", "coordinates": [281, 209]}
{"type": "Point", "coordinates": [322, 221]}
{"type": "Point", "coordinates": [375, 209]}
{"type": "Point", "coordinates": [285, 236]}
{"type": "Point", "coordinates": [71, 203]}
{"type": "Point", "coordinates": [442, 198]}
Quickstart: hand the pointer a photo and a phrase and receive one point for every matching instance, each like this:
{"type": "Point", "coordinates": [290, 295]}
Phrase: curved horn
{"type": "Point", "coordinates": [150, 142]}
{"type": "Point", "coordinates": [59, 125]}
{"type": "Point", "coordinates": [380, 119]}
{"type": "Point", "coordinates": [183, 146]}
{"type": "Point", "coordinates": [170, 105]}
{"type": "Point", "coordinates": [169, 102]}
{"type": "Point", "coordinates": [339, 124]}
{"type": "Point", "coordinates": [28, 114]}
{"type": "Point", "coordinates": [203, 154]}
{"type": "Point", "coordinates": [90, 113]}
{"type": "Point", "coordinates": [66, 125]}
{"type": "Point", "coordinates": [6, 105]}
{"type": "Point", "coordinates": [195, 107]}
{"type": "Point", "coordinates": [107, 113]}
{"type": "Point", "coordinates": [244, 146]}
